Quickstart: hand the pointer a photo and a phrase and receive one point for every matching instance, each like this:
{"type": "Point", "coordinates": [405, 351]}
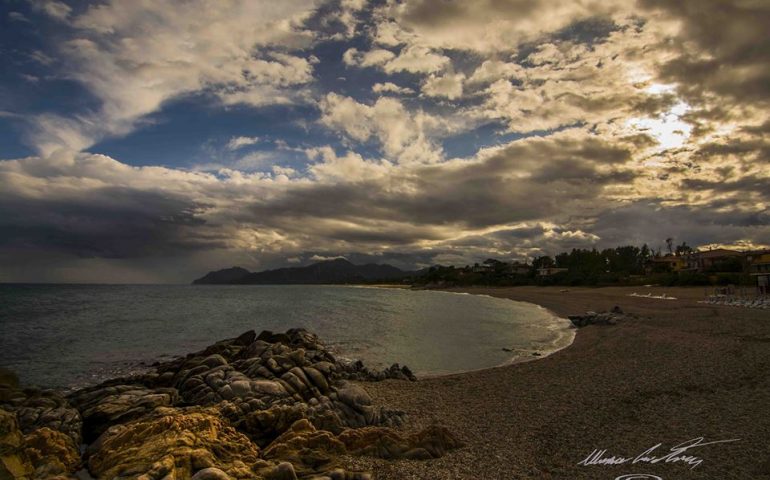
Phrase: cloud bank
{"type": "Point", "coordinates": [510, 128]}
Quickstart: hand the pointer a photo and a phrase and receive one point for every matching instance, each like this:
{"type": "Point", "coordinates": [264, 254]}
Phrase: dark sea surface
{"type": "Point", "coordinates": [72, 335]}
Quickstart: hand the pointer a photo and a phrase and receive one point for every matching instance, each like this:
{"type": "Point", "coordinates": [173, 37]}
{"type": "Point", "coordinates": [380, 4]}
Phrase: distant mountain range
{"type": "Point", "coordinates": [338, 271]}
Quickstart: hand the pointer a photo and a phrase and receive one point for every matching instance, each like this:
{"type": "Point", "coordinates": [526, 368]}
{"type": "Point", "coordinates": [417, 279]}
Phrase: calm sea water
{"type": "Point", "coordinates": [72, 335]}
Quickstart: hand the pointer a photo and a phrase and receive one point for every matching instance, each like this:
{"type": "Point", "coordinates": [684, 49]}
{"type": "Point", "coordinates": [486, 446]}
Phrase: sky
{"type": "Point", "coordinates": [152, 141]}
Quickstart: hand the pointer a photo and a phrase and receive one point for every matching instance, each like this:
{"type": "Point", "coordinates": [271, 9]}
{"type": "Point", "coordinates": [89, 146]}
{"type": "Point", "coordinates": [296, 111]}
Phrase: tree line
{"type": "Point", "coordinates": [623, 265]}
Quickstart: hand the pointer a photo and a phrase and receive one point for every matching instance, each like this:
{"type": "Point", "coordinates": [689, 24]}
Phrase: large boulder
{"type": "Point", "coordinates": [601, 318]}
{"type": "Point", "coordinates": [104, 406]}
{"type": "Point", "coordinates": [174, 443]}
{"type": "Point", "coordinates": [51, 453]}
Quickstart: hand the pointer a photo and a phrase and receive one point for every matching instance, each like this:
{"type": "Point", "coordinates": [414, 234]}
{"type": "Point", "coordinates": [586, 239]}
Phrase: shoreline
{"type": "Point", "coordinates": [679, 370]}
{"type": "Point", "coordinates": [667, 373]}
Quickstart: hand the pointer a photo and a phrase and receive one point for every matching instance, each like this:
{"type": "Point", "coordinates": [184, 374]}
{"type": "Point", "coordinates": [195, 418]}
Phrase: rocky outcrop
{"type": "Point", "coordinates": [358, 371]}
{"type": "Point", "coordinates": [43, 453]}
{"type": "Point", "coordinates": [174, 443]}
{"type": "Point", "coordinates": [51, 453]}
{"type": "Point", "coordinates": [306, 448]}
{"type": "Point", "coordinates": [14, 462]}
{"type": "Point", "coordinates": [104, 406]}
{"type": "Point", "coordinates": [268, 405]}
{"type": "Point", "coordinates": [602, 318]}
{"type": "Point", "coordinates": [36, 408]}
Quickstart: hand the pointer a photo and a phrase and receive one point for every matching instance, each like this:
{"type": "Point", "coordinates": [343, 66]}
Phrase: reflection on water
{"type": "Point", "coordinates": [64, 335]}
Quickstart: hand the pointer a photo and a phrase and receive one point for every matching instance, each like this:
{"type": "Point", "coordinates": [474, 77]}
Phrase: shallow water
{"type": "Point", "coordinates": [73, 335]}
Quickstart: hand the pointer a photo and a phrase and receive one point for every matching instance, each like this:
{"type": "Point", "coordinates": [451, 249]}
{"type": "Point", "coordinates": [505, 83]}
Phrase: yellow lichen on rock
{"type": "Point", "coordinates": [174, 443]}
{"type": "Point", "coordinates": [14, 463]}
{"type": "Point", "coordinates": [51, 452]}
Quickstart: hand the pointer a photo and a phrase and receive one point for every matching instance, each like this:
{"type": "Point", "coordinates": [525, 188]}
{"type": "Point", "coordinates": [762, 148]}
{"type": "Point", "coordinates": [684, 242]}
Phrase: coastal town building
{"type": "Point", "coordinates": [712, 260]}
{"type": "Point", "coordinates": [669, 263]}
{"type": "Point", "coordinates": [518, 268]}
{"type": "Point", "coordinates": [759, 268]}
{"type": "Point", "coordinates": [548, 271]}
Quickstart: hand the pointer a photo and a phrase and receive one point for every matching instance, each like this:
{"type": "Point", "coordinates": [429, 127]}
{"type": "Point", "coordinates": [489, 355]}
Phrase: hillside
{"type": "Point", "coordinates": [338, 271]}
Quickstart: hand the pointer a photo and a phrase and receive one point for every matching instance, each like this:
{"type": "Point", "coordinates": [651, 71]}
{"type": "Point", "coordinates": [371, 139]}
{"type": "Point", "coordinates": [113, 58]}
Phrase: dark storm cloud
{"type": "Point", "coordinates": [529, 179]}
{"type": "Point", "coordinates": [733, 48]}
{"type": "Point", "coordinates": [652, 223]}
{"type": "Point", "coordinates": [109, 222]}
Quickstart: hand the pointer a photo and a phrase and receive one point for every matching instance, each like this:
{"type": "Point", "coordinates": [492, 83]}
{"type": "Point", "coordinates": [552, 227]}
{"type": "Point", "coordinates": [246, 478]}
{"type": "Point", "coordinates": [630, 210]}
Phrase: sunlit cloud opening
{"type": "Point", "coordinates": [669, 130]}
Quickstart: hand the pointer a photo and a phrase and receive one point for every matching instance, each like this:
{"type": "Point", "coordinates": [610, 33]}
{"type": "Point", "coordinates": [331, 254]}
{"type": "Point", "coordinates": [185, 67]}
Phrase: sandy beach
{"type": "Point", "coordinates": [678, 371]}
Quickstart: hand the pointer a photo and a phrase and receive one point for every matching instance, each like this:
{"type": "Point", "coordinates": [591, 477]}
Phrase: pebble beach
{"type": "Point", "coordinates": [676, 371]}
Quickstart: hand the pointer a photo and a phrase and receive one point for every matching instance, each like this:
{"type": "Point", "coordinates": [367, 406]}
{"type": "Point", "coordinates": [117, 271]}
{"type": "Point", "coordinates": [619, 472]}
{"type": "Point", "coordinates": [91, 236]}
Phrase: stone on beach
{"type": "Point", "coordinates": [602, 318]}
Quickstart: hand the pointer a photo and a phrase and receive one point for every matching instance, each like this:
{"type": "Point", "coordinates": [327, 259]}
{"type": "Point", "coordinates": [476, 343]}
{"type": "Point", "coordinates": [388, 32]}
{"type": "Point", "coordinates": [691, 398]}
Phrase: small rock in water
{"type": "Point", "coordinates": [507, 349]}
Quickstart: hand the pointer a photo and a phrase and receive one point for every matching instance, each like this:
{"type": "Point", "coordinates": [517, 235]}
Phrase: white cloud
{"type": "Point", "coordinates": [449, 86]}
{"type": "Point", "coordinates": [350, 167]}
{"type": "Point", "coordinates": [347, 15]}
{"type": "Point", "coordinates": [404, 137]}
{"type": "Point", "coordinates": [492, 70]}
{"type": "Point", "coordinates": [53, 8]}
{"type": "Point", "coordinates": [18, 17]}
{"type": "Point", "coordinates": [135, 56]}
{"type": "Point", "coordinates": [372, 58]}
{"type": "Point", "coordinates": [239, 142]}
{"type": "Point", "coordinates": [483, 25]}
{"type": "Point", "coordinates": [417, 59]}
{"type": "Point", "coordinates": [390, 87]}
{"type": "Point", "coordinates": [321, 258]}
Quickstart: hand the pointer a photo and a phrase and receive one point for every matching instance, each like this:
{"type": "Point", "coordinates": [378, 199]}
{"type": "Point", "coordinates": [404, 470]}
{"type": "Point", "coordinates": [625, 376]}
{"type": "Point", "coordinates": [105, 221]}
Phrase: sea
{"type": "Point", "coordinates": [70, 336]}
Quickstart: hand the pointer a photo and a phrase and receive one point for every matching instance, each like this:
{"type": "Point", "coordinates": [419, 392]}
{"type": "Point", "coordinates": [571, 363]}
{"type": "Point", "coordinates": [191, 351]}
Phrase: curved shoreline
{"type": "Point", "coordinates": [514, 359]}
{"type": "Point", "coordinates": [679, 369]}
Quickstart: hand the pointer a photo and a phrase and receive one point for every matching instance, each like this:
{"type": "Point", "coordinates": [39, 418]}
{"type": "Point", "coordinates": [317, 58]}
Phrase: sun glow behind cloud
{"type": "Point", "coordinates": [333, 128]}
{"type": "Point", "coordinates": [668, 129]}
